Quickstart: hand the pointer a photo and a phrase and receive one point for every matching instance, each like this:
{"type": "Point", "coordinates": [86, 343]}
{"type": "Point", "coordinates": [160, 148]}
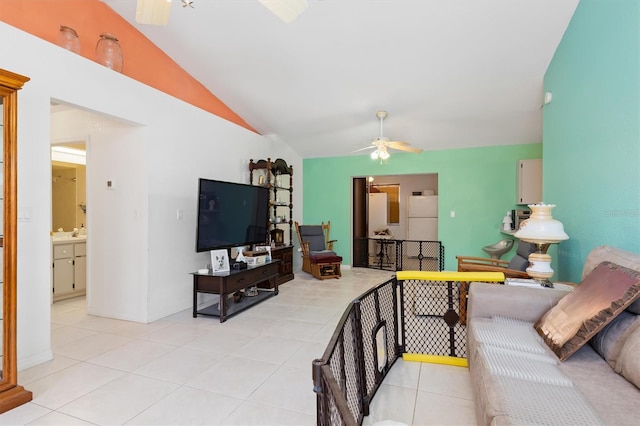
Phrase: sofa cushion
{"type": "Point", "coordinates": [634, 308]}
{"type": "Point", "coordinates": [611, 395]}
{"type": "Point", "coordinates": [601, 296]}
{"type": "Point", "coordinates": [609, 341]}
{"type": "Point", "coordinates": [514, 375]}
{"type": "Point", "coordinates": [325, 259]}
{"type": "Point", "coordinates": [629, 360]}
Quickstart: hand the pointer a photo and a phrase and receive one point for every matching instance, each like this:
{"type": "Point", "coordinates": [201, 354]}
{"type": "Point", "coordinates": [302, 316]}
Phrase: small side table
{"type": "Point", "coordinates": [520, 282]}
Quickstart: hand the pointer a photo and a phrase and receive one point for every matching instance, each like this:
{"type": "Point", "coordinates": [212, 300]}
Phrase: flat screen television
{"type": "Point", "coordinates": [230, 214]}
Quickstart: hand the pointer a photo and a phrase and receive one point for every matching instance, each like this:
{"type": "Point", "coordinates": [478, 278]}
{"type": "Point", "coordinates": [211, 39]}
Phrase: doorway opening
{"type": "Point", "coordinates": [383, 209]}
{"type": "Point", "coordinates": [68, 219]}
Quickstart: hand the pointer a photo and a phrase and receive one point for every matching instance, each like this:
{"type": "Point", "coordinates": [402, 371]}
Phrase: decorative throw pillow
{"type": "Point", "coordinates": [599, 298]}
{"type": "Point", "coordinates": [629, 361]}
{"type": "Point", "coordinates": [609, 341]}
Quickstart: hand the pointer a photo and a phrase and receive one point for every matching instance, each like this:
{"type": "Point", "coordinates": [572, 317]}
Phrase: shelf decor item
{"type": "Point", "coordinates": [68, 39]}
{"type": "Point", "coordinates": [109, 52]}
{"type": "Point", "coordinates": [277, 236]}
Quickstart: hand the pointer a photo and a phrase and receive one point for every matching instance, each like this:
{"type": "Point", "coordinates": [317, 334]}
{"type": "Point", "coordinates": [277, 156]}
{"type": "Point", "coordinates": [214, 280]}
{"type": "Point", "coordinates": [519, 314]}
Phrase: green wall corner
{"type": "Point", "coordinates": [591, 132]}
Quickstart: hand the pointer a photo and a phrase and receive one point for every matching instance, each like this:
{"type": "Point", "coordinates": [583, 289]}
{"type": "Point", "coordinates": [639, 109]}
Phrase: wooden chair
{"type": "Point", "coordinates": [515, 268]}
{"type": "Point", "coordinates": [318, 257]}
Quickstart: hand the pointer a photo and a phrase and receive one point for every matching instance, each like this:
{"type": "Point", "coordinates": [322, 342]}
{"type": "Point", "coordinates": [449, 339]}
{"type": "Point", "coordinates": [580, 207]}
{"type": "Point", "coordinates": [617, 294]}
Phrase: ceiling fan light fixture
{"type": "Point", "coordinates": [153, 12]}
{"type": "Point", "coordinates": [287, 10]}
{"type": "Point", "coordinates": [384, 154]}
{"type": "Point", "coordinates": [380, 153]}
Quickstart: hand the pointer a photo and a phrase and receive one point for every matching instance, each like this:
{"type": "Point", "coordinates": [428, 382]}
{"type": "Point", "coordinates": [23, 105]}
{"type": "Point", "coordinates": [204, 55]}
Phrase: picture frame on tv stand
{"type": "Point", "coordinates": [219, 261]}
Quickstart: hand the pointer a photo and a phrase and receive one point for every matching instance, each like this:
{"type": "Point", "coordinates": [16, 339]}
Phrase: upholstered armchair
{"type": "Point", "coordinates": [318, 257]}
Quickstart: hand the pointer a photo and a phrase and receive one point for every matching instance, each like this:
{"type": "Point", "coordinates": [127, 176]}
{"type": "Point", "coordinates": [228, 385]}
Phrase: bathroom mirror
{"type": "Point", "coordinates": [68, 186]}
{"type": "Point", "coordinates": [11, 394]}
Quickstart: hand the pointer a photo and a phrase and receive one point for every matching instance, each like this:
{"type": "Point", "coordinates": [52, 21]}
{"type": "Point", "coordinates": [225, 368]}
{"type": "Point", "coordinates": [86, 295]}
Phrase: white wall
{"type": "Point", "coordinates": [145, 253]}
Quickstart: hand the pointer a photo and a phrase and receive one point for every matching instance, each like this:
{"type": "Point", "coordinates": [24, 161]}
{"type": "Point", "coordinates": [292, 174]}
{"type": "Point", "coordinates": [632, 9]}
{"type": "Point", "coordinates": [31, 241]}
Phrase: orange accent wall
{"type": "Point", "coordinates": [143, 60]}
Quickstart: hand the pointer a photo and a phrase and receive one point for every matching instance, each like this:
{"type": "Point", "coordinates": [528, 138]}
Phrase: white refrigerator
{"type": "Point", "coordinates": [377, 212]}
{"type": "Point", "coordinates": [422, 218]}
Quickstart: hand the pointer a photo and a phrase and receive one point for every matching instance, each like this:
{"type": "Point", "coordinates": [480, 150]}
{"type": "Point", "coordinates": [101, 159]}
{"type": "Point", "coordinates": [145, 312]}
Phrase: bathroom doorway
{"type": "Point", "coordinates": [68, 218]}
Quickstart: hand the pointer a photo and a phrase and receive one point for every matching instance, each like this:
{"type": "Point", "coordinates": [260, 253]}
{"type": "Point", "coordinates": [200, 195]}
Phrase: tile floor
{"type": "Point", "coordinates": [255, 369]}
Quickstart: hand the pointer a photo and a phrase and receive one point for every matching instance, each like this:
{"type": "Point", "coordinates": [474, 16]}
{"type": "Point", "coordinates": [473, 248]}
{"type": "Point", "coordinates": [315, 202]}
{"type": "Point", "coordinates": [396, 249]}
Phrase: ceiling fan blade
{"type": "Point", "coordinates": [153, 12]}
{"type": "Point", "coordinates": [394, 144]}
{"type": "Point", "coordinates": [403, 146]}
{"type": "Point", "coordinates": [365, 148]}
{"type": "Point", "coordinates": [287, 10]}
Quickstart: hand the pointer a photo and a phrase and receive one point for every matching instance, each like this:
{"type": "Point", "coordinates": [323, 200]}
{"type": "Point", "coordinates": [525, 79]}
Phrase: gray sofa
{"type": "Point", "coordinates": [518, 380]}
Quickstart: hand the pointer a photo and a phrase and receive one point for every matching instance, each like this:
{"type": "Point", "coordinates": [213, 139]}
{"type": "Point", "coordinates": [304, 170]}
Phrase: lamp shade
{"type": "Point", "coordinates": [541, 227]}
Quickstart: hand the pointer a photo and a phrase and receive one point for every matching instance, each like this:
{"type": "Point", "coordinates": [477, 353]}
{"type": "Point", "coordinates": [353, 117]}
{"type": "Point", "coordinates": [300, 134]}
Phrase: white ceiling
{"type": "Point", "coordinates": [451, 73]}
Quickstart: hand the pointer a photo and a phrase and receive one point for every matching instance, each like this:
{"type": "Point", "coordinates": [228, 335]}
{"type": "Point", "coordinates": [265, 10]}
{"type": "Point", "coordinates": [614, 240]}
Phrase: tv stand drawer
{"type": "Point", "coordinates": [250, 277]}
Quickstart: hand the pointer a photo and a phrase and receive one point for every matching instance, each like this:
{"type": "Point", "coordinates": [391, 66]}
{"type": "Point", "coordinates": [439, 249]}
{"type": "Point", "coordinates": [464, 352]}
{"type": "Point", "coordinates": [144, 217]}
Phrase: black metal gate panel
{"type": "Point", "coordinates": [400, 255]}
{"type": "Point", "coordinates": [420, 256]}
{"type": "Point", "coordinates": [360, 354]}
{"type": "Point", "coordinates": [431, 318]}
{"type": "Point", "coordinates": [418, 312]}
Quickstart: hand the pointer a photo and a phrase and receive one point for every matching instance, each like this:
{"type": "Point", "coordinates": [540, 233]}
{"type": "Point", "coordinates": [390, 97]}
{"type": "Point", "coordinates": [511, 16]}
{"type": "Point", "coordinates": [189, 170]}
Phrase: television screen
{"type": "Point", "coordinates": [230, 214]}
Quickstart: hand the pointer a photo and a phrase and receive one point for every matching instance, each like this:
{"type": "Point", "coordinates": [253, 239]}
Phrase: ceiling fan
{"type": "Point", "coordinates": [383, 143]}
{"type": "Point", "coordinates": [156, 12]}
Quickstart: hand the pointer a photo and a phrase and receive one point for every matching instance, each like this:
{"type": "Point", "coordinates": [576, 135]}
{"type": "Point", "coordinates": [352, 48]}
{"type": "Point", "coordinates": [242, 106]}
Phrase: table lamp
{"type": "Point", "coordinates": [542, 230]}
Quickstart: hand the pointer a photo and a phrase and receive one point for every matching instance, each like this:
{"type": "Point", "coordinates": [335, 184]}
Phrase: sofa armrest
{"type": "Point", "coordinates": [528, 304]}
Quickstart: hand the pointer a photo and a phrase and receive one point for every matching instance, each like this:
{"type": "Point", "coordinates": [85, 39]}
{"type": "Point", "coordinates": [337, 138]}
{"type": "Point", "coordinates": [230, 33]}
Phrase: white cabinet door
{"type": "Point", "coordinates": [80, 273]}
{"type": "Point", "coordinates": [529, 182]}
{"type": "Point", "coordinates": [62, 276]}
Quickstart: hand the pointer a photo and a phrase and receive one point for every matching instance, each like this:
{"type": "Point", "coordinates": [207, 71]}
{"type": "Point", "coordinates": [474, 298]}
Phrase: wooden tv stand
{"type": "Point", "coordinates": [227, 283]}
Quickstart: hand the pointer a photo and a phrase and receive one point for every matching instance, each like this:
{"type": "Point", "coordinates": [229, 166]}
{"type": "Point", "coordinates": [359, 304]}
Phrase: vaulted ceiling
{"type": "Point", "coordinates": [451, 74]}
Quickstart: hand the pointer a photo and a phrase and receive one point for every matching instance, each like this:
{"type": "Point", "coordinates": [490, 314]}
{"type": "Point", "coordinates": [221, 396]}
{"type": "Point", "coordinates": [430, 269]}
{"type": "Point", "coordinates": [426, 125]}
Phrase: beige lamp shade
{"type": "Point", "coordinates": [541, 227]}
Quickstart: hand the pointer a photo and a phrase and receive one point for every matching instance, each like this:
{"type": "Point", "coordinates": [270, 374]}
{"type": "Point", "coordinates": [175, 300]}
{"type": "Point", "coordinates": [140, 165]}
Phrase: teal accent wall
{"type": "Point", "coordinates": [479, 184]}
{"type": "Point", "coordinates": [591, 132]}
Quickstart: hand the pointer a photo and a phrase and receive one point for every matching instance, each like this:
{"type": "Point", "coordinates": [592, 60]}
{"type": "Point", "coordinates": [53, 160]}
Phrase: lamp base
{"type": "Point", "coordinates": [540, 268]}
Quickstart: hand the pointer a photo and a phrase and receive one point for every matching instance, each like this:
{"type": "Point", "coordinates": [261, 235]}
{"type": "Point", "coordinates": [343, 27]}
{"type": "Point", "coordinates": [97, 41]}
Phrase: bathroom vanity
{"type": "Point", "coordinates": [69, 277]}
